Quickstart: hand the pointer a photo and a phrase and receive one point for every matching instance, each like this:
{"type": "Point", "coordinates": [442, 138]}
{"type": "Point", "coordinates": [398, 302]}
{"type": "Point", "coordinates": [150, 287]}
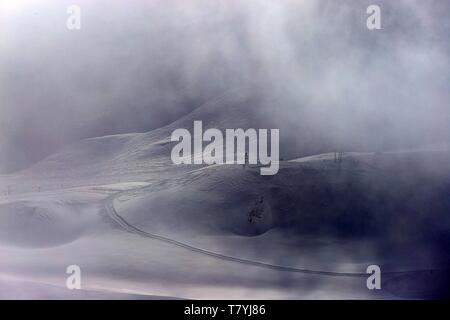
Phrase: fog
{"type": "Point", "coordinates": [137, 65]}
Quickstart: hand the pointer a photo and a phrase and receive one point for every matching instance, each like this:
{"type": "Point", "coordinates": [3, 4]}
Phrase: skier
{"type": "Point", "coordinates": [245, 159]}
{"type": "Point", "coordinates": [257, 211]}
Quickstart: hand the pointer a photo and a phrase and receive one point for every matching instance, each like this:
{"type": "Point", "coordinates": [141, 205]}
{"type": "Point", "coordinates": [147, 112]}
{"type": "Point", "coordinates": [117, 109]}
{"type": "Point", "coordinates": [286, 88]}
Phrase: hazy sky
{"type": "Point", "coordinates": [136, 65]}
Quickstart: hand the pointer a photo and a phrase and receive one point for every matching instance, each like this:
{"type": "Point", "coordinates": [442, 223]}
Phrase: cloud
{"type": "Point", "coordinates": [137, 65]}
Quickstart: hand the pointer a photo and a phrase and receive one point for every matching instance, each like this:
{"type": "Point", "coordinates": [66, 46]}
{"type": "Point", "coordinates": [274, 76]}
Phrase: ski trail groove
{"type": "Point", "coordinates": [112, 213]}
{"type": "Point", "coordinates": [130, 228]}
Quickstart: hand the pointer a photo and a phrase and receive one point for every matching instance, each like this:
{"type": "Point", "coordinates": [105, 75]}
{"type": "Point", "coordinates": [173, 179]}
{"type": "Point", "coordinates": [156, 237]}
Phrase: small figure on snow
{"type": "Point", "coordinates": [257, 210]}
{"type": "Point", "coordinates": [245, 159]}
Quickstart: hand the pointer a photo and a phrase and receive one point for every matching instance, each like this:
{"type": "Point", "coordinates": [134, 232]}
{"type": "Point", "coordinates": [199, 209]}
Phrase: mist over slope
{"type": "Point", "coordinates": [142, 65]}
{"type": "Point", "coordinates": [141, 154]}
{"type": "Point", "coordinates": [392, 197]}
{"type": "Point", "coordinates": [86, 116]}
{"type": "Point", "coordinates": [318, 212]}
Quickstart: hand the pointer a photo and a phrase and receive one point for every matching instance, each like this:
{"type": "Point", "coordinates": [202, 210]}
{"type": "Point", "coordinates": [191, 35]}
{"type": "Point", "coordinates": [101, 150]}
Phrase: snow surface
{"type": "Point", "coordinates": [139, 226]}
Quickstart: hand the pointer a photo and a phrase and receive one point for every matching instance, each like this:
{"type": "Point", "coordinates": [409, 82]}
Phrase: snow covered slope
{"type": "Point", "coordinates": [141, 155]}
{"type": "Point", "coordinates": [395, 200]}
{"type": "Point", "coordinates": [317, 213]}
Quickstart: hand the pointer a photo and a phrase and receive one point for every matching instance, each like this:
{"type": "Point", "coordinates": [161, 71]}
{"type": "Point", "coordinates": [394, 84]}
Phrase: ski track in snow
{"type": "Point", "coordinates": [112, 213]}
